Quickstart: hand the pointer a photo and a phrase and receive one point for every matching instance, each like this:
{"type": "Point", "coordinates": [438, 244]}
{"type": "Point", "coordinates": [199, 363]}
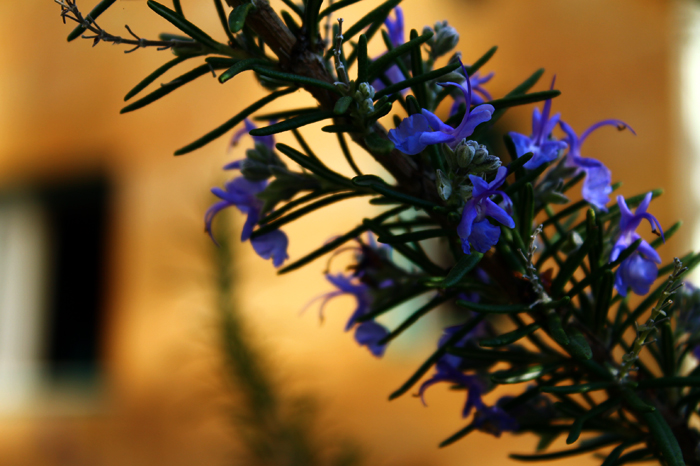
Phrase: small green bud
{"type": "Point", "coordinates": [480, 154]}
{"type": "Point", "coordinates": [450, 157]}
{"type": "Point", "coordinates": [367, 106]}
{"type": "Point", "coordinates": [572, 243]}
{"type": "Point", "coordinates": [366, 90]}
{"type": "Point", "coordinates": [444, 185]}
{"type": "Point", "coordinates": [554, 197]}
{"type": "Point", "coordinates": [446, 39]}
{"type": "Point", "coordinates": [465, 152]}
{"type": "Point", "coordinates": [491, 163]}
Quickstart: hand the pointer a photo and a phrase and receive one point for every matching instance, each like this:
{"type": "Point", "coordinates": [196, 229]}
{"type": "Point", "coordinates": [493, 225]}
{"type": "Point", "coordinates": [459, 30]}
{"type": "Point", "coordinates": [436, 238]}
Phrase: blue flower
{"type": "Point", "coordinates": [474, 228]}
{"type": "Point", "coordinates": [418, 131]}
{"type": "Point", "coordinates": [492, 419]}
{"type": "Point", "coordinates": [479, 93]}
{"type": "Point", "coordinates": [543, 147]}
{"type": "Point", "coordinates": [448, 370]}
{"type": "Point", "coordinates": [596, 186]}
{"type": "Point", "coordinates": [248, 126]}
{"type": "Point", "coordinates": [367, 333]}
{"type": "Point", "coordinates": [395, 28]}
{"type": "Point", "coordinates": [242, 193]}
{"type": "Point", "coordinates": [638, 271]}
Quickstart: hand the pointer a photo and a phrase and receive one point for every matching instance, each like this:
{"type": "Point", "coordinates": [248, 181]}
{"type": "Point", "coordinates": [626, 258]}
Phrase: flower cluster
{"type": "Point", "coordinates": [371, 275]}
{"type": "Point", "coordinates": [449, 368]}
{"type": "Point", "coordinates": [544, 148]}
{"type": "Point", "coordinates": [242, 192]}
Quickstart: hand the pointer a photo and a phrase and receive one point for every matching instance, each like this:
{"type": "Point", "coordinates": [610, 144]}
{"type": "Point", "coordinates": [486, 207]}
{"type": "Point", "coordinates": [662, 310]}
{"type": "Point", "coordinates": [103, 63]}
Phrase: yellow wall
{"type": "Point", "coordinates": [59, 117]}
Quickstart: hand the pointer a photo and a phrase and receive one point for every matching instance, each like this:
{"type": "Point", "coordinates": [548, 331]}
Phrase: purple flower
{"type": "Point", "coordinates": [367, 333]}
{"type": "Point", "coordinates": [418, 131]}
{"type": "Point", "coordinates": [475, 387]}
{"type": "Point", "coordinates": [479, 93]}
{"type": "Point", "coordinates": [596, 186]}
{"type": "Point", "coordinates": [474, 228]}
{"type": "Point", "coordinates": [543, 148]}
{"type": "Point", "coordinates": [494, 419]}
{"type": "Point", "coordinates": [639, 270]}
{"type": "Point", "coordinates": [395, 29]}
{"type": "Point", "coordinates": [448, 369]}
{"type": "Point", "coordinates": [242, 193]}
{"type": "Point", "coordinates": [491, 419]}
{"type": "Point", "coordinates": [248, 126]}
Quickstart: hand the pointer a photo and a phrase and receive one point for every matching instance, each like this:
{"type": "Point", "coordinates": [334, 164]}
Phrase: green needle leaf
{"type": "Point", "coordinates": [277, 224]}
{"type": "Point", "coordinates": [465, 265]}
{"type": "Point", "coordinates": [578, 345]}
{"type": "Point", "coordinates": [481, 61]}
{"type": "Point", "coordinates": [236, 20]}
{"type": "Point", "coordinates": [336, 6]}
{"type": "Point", "coordinates": [599, 410]}
{"type": "Point", "coordinates": [423, 310]}
{"type": "Point", "coordinates": [378, 15]}
{"type": "Point", "coordinates": [567, 269]}
{"type": "Point", "coordinates": [513, 101]}
{"type": "Point", "coordinates": [230, 124]}
{"type": "Point", "coordinates": [94, 14]}
{"type": "Point", "coordinates": [166, 89]}
{"type": "Point", "coordinates": [417, 236]}
{"type": "Point", "coordinates": [510, 337]}
{"type": "Point", "coordinates": [241, 66]}
{"type": "Point", "coordinates": [582, 388]}
{"type": "Point", "coordinates": [293, 123]}
{"type": "Point", "coordinates": [523, 375]}
{"type": "Point", "coordinates": [594, 444]}
{"type": "Point", "coordinates": [602, 300]}
{"type": "Point", "coordinates": [314, 166]}
{"type": "Point", "coordinates": [155, 75]}
{"type": "Point", "coordinates": [410, 82]}
{"type": "Point", "coordinates": [362, 60]}
{"type": "Point", "coordinates": [339, 241]}
{"type": "Point", "coordinates": [293, 78]}
{"type": "Point", "coordinates": [665, 439]}
{"type": "Point", "coordinates": [494, 308]}
{"type": "Point", "coordinates": [185, 26]}
{"type": "Point", "coordinates": [379, 185]}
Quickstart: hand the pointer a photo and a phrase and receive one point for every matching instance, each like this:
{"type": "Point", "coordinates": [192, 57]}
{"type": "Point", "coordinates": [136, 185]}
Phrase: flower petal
{"type": "Point", "coordinates": [484, 236]}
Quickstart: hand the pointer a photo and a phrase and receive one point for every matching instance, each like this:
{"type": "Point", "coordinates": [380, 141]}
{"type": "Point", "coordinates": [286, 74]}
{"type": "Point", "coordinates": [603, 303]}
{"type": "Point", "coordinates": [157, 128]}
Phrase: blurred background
{"type": "Point", "coordinates": [111, 295]}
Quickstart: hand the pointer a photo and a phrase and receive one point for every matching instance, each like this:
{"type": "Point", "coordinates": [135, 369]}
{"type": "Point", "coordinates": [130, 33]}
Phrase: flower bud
{"type": "Point", "coordinates": [446, 39]}
{"type": "Point", "coordinates": [450, 157]}
{"type": "Point", "coordinates": [366, 106]}
{"type": "Point", "coordinates": [444, 185]}
{"type": "Point", "coordinates": [480, 154]}
{"type": "Point", "coordinates": [572, 243]}
{"type": "Point", "coordinates": [464, 152]}
{"type": "Point", "coordinates": [491, 163]}
{"type": "Point", "coordinates": [366, 90]}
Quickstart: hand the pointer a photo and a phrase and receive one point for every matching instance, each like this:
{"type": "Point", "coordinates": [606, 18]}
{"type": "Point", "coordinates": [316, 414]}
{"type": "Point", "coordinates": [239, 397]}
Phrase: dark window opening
{"type": "Point", "coordinates": [76, 218]}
